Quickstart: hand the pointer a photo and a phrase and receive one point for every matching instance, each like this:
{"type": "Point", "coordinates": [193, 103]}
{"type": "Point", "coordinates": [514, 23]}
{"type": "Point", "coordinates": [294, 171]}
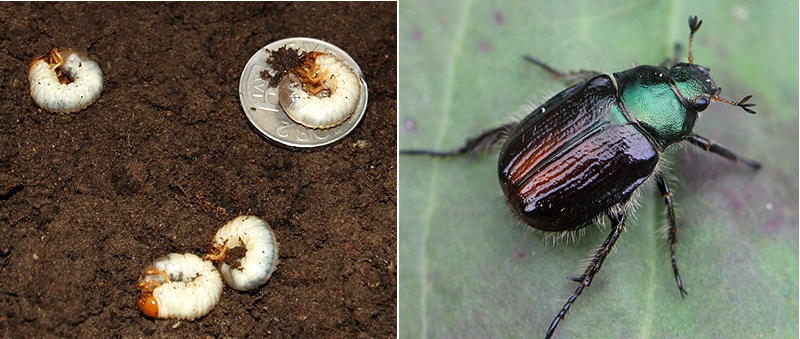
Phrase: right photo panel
{"type": "Point", "coordinates": [574, 170]}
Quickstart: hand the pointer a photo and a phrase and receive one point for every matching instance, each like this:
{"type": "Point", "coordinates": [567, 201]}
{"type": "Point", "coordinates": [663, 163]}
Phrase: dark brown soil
{"type": "Point", "coordinates": [166, 156]}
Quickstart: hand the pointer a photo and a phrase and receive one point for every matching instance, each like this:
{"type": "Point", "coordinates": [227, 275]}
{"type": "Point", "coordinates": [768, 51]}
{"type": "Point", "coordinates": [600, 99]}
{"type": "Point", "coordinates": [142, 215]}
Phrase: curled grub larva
{"type": "Point", "coordinates": [181, 286]}
{"type": "Point", "coordinates": [261, 258]}
{"type": "Point", "coordinates": [322, 93]}
{"type": "Point", "coordinates": [64, 82]}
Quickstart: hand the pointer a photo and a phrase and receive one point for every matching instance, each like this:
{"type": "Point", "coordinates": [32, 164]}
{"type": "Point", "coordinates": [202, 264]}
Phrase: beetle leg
{"type": "Point", "coordinates": [571, 77]}
{"type": "Point", "coordinates": [473, 146]}
{"type": "Point", "coordinates": [663, 187]}
{"type": "Point", "coordinates": [715, 148]}
{"type": "Point", "coordinates": [594, 266]}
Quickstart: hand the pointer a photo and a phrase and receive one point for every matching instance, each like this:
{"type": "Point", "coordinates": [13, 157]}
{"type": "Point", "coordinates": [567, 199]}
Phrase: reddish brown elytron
{"type": "Point", "coordinates": [550, 165]}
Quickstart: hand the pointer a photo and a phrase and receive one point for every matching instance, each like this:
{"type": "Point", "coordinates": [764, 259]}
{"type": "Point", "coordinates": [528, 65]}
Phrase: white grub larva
{"type": "Point", "coordinates": [258, 262]}
{"type": "Point", "coordinates": [64, 82]}
{"type": "Point", "coordinates": [181, 286]}
{"type": "Point", "coordinates": [322, 93]}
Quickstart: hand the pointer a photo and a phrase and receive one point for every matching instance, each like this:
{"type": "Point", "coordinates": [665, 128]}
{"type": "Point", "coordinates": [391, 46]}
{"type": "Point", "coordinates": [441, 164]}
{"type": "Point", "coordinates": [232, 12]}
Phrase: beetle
{"type": "Point", "coordinates": [583, 154]}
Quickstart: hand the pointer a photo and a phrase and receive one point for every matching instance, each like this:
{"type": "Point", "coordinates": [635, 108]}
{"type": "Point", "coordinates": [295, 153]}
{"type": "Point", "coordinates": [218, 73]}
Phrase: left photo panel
{"type": "Point", "coordinates": [198, 170]}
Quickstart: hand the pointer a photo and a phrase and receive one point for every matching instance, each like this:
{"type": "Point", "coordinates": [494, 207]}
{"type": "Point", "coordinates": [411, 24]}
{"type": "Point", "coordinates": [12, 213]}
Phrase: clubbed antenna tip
{"type": "Point", "coordinates": [694, 25]}
{"type": "Point", "coordinates": [742, 103]}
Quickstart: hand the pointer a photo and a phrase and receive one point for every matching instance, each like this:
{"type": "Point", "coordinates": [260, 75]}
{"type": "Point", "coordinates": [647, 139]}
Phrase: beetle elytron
{"type": "Point", "coordinates": [583, 153]}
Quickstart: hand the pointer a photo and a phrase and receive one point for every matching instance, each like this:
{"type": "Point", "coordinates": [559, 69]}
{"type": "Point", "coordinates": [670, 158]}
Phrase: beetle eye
{"type": "Point", "coordinates": [701, 104]}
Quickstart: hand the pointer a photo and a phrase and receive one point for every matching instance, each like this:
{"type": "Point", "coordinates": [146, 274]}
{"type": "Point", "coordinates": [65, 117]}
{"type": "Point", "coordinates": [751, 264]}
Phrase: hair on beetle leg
{"type": "Point", "coordinates": [569, 236]}
{"type": "Point", "coordinates": [575, 235]}
{"type": "Point", "coordinates": [513, 118]}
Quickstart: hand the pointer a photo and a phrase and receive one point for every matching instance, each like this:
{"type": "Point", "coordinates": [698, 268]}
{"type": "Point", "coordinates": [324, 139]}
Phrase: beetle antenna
{"type": "Point", "coordinates": [694, 25]}
{"type": "Point", "coordinates": [742, 103]}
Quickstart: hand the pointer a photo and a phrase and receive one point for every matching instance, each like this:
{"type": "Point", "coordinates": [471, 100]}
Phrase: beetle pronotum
{"type": "Point", "coordinates": [582, 154]}
{"type": "Point", "coordinates": [322, 93]}
{"type": "Point", "coordinates": [63, 81]}
{"type": "Point", "coordinates": [257, 265]}
{"type": "Point", "coordinates": [181, 286]}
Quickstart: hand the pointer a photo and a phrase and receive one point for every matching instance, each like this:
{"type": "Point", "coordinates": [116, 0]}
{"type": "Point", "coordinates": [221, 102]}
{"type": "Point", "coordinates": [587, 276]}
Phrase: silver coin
{"type": "Point", "coordinates": [261, 105]}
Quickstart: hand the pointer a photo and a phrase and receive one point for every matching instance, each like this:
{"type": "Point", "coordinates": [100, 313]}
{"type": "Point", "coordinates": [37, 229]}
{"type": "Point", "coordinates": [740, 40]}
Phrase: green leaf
{"type": "Point", "coordinates": [470, 269]}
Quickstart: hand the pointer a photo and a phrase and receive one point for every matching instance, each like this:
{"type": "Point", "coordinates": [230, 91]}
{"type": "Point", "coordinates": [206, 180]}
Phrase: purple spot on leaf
{"type": "Point", "coordinates": [410, 125]}
{"type": "Point", "coordinates": [416, 35]}
{"type": "Point", "coordinates": [772, 226]}
{"type": "Point", "coordinates": [499, 18]}
{"type": "Point", "coordinates": [486, 47]}
{"type": "Point", "coordinates": [733, 199]}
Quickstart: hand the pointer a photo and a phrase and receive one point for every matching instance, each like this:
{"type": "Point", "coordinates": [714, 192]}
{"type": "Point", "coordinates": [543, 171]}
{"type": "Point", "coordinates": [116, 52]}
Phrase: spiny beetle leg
{"type": "Point", "coordinates": [618, 220]}
{"type": "Point", "coordinates": [715, 148]}
{"type": "Point", "coordinates": [571, 77]}
{"type": "Point", "coordinates": [473, 146]}
{"type": "Point", "coordinates": [663, 187]}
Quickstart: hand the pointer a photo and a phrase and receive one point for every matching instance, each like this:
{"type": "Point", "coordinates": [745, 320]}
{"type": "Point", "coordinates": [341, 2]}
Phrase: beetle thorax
{"type": "Point", "coordinates": [663, 102]}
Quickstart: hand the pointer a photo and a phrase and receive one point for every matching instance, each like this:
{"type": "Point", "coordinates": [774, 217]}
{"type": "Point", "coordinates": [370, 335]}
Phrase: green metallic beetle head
{"type": "Point", "coordinates": [695, 84]}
